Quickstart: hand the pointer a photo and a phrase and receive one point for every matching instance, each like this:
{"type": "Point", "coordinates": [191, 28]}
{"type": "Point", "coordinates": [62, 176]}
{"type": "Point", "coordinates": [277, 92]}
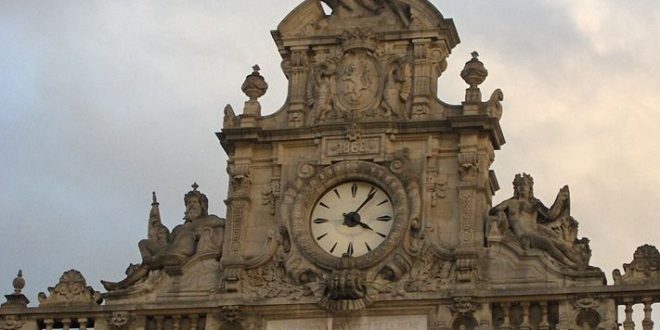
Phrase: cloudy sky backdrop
{"type": "Point", "coordinates": [102, 102]}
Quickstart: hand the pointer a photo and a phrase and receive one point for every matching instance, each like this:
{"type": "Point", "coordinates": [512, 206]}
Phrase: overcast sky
{"type": "Point", "coordinates": [102, 102]}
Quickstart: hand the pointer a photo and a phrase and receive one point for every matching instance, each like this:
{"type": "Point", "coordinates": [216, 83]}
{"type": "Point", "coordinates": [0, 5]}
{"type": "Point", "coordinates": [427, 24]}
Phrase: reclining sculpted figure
{"type": "Point", "coordinates": [552, 230]}
{"type": "Point", "coordinates": [199, 233]}
{"type": "Point", "coordinates": [373, 7]}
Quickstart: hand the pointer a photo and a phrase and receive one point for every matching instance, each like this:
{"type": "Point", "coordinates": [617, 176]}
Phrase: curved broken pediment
{"type": "Point", "coordinates": [309, 19]}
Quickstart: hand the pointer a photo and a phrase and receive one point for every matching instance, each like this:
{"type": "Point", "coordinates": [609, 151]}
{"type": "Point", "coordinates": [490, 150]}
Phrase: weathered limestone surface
{"type": "Point", "coordinates": [365, 202]}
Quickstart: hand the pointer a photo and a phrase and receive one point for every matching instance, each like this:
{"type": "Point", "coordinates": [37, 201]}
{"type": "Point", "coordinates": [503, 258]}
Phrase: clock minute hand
{"type": "Point", "coordinates": [369, 197]}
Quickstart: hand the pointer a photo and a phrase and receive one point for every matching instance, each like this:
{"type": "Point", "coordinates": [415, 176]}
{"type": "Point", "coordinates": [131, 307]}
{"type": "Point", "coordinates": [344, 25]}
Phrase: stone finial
{"type": "Point", "coordinates": [474, 73]}
{"type": "Point", "coordinates": [19, 282]}
{"type": "Point", "coordinates": [255, 85]}
{"type": "Point", "coordinates": [16, 300]}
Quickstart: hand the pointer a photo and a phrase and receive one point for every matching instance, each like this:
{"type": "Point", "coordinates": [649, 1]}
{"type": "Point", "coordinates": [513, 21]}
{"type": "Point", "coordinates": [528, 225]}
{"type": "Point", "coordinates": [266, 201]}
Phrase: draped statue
{"type": "Point", "coordinates": [200, 233]}
{"type": "Point", "coordinates": [552, 230]}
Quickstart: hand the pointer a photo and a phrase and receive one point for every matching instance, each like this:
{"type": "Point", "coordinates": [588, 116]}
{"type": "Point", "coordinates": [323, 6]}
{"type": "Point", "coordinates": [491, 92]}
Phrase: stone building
{"type": "Point", "coordinates": [365, 202]}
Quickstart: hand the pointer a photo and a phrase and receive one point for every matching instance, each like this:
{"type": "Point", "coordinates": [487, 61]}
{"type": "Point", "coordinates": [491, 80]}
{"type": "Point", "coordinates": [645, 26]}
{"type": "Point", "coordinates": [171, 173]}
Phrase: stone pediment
{"type": "Point", "coordinates": [364, 62]}
{"type": "Point", "coordinates": [310, 21]}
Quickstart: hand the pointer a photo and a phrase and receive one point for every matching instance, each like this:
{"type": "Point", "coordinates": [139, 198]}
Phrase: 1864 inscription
{"type": "Point", "coordinates": [337, 147]}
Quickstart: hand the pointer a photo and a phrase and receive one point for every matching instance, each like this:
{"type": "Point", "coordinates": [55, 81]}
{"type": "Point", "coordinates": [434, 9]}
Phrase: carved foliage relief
{"type": "Point", "coordinates": [437, 185]}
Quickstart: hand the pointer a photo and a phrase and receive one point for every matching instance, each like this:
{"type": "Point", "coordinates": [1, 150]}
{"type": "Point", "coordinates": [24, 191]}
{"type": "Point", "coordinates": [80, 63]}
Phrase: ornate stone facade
{"type": "Point", "coordinates": [365, 202]}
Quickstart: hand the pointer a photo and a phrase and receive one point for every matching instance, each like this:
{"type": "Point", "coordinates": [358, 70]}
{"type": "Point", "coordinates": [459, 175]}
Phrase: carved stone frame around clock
{"type": "Point", "coordinates": [306, 192]}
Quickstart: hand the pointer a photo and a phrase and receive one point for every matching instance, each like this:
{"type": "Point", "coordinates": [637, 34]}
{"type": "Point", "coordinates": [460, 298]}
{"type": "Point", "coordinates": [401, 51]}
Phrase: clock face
{"type": "Point", "coordinates": [352, 218]}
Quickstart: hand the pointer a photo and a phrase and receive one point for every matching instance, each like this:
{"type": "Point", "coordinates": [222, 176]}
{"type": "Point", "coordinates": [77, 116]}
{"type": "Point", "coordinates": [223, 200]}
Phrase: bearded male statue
{"type": "Point", "coordinates": [200, 233]}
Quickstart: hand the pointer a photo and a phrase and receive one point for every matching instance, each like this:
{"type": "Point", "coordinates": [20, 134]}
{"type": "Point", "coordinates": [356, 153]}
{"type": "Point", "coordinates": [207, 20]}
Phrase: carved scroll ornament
{"type": "Point", "coordinates": [72, 289]}
{"type": "Point", "coordinates": [644, 269]}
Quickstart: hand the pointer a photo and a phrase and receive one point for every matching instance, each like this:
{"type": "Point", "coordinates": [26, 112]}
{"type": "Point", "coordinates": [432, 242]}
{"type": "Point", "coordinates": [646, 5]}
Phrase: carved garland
{"type": "Point", "coordinates": [306, 192]}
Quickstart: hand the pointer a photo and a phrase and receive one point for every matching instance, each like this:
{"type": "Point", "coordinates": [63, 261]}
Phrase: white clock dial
{"type": "Point", "coordinates": [352, 219]}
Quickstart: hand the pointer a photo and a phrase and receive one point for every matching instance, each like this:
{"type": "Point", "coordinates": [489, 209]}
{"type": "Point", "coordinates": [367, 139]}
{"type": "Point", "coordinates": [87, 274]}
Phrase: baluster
{"type": "Point", "coordinates": [49, 324]}
{"type": "Point", "coordinates": [525, 325]}
{"type": "Point", "coordinates": [159, 321]}
{"type": "Point", "coordinates": [506, 309]}
{"type": "Point", "coordinates": [176, 322]}
{"type": "Point", "coordinates": [647, 323]}
{"type": "Point", "coordinates": [628, 324]}
{"type": "Point", "coordinates": [66, 324]}
{"type": "Point", "coordinates": [194, 319]}
{"type": "Point", "coordinates": [544, 325]}
{"type": "Point", "coordinates": [82, 323]}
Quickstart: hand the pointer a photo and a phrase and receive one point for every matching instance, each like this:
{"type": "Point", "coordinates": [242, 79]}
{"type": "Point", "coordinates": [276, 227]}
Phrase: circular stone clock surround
{"type": "Point", "coordinates": [308, 191]}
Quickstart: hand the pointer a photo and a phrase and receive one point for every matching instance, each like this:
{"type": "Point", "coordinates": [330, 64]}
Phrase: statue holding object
{"type": "Point", "coordinates": [200, 233]}
{"type": "Point", "coordinates": [552, 230]}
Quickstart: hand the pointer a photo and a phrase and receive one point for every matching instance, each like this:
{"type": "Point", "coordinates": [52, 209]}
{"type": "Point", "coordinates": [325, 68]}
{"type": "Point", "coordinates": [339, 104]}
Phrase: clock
{"type": "Point", "coordinates": [352, 219]}
{"type": "Point", "coordinates": [361, 206]}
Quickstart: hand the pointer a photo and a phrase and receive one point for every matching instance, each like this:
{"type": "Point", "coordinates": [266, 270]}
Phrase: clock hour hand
{"type": "Point", "coordinates": [353, 219]}
{"type": "Point", "coordinates": [371, 194]}
{"type": "Point", "coordinates": [364, 225]}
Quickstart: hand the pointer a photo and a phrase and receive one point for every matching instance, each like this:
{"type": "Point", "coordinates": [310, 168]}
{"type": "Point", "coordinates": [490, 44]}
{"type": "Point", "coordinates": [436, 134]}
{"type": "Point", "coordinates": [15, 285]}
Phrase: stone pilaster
{"type": "Point", "coordinates": [422, 79]}
{"type": "Point", "coordinates": [299, 72]}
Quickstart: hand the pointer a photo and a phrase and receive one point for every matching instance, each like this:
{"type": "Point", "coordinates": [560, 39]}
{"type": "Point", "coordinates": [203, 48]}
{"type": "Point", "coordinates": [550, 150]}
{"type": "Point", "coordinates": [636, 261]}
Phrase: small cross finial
{"type": "Point", "coordinates": [195, 186]}
{"type": "Point", "coordinates": [475, 54]}
{"type": "Point", "coordinates": [256, 68]}
{"type": "Point", "coordinates": [153, 197]}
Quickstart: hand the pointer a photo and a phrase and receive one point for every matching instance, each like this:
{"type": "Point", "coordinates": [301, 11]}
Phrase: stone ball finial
{"type": "Point", "coordinates": [474, 73]}
{"type": "Point", "coordinates": [19, 282]}
{"type": "Point", "coordinates": [255, 85]}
